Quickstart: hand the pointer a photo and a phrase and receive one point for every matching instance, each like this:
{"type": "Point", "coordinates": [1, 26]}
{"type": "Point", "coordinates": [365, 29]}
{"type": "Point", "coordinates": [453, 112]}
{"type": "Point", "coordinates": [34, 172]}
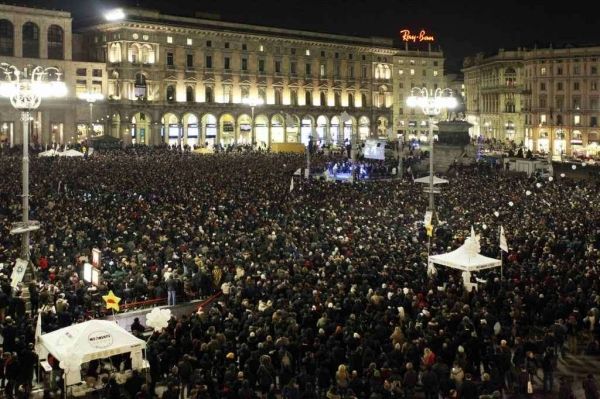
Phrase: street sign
{"type": "Point", "coordinates": [24, 227]}
{"type": "Point", "coordinates": [428, 217]}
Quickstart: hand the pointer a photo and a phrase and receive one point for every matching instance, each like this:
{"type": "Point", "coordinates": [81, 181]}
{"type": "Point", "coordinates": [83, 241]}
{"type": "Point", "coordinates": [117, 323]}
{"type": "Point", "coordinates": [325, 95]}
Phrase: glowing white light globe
{"type": "Point", "coordinates": [538, 185]}
{"type": "Point", "coordinates": [496, 213]}
{"type": "Point", "coordinates": [527, 193]}
{"type": "Point", "coordinates": [562, 175]}
{"type": "Point", "coordinates": [574, 167]}
{"type": "Point", "coordinates": [510, 203]}
{"type": "Point", "coordinates": [550, 178]}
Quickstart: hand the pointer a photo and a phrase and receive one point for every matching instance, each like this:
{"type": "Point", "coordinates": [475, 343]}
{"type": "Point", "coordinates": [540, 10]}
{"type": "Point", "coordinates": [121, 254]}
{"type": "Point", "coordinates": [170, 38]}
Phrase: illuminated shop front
{"type": "Point", "coordinates": [560, 143]}
{"type": "Point", "coordinates": [576, 142]}
{"type": "Point", "coordinates": [543, 144]}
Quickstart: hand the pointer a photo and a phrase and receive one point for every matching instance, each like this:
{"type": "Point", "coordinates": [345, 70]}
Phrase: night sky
{"type": "Point", "coordinates": [461, 28]}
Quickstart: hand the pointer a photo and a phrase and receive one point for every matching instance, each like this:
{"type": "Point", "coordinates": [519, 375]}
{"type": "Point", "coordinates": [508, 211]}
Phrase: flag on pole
{"type": "Point", "coordinates": [292, 185]}
{"type": "Point", "coordinates": [429, 229]}
{"type": "Point", "coordinates": [38, 332]}
{"type": "Point", "coordinates": [503, 244]}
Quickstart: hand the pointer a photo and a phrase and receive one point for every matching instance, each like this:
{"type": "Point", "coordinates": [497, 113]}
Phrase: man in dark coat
{"type": "Point", "coordinates": [590, 387]}
{"type": "Point", "coordinates": [468, 389]}
{"type": "Point", "coordinates": [431, 385]}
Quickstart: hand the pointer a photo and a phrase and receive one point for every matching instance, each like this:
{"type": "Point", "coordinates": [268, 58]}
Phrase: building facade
{"type": "Point", "coordinates": [31, 37]}
{"type": "Point", "coordinates": [190, 80]}
{"type": "Point", "coordinates": [556, 98]}
{"type": "Point", "coordinates": [202, 81]}
{"type": "Point", "coordinates": [495, 93]}
{"type": "Point", "coordinates": [412, 68]}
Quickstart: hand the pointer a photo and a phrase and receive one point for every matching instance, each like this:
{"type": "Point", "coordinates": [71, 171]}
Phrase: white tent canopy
{"type": "Point", "coordinates": [436, 180]}
{"type": "Point", "coordinates": [71, 153]}
{"type": "Point", "coordinates": [87, 341]}
{"type": "Point", "coordinates": [466, 258]}
{"type": "Point", "coordinates": [50, 153]}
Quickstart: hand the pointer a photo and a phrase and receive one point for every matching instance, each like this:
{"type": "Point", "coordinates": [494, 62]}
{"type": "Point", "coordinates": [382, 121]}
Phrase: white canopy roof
{"type": "Point", "coordinates": [93, 339]}
{"type": "Point", "coordinates": [436, 180]}
{"type": "Point", "coordinates": [466, 257]}
{"type": "Point", "coordinates": [50, 153]}
{"type": "Point", "coordinates": [71, 153]}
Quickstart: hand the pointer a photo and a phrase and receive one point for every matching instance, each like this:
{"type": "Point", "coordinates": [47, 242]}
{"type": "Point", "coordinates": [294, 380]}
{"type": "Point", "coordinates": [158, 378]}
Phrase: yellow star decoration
{"type": "Point", "coordinates": [112, 301]}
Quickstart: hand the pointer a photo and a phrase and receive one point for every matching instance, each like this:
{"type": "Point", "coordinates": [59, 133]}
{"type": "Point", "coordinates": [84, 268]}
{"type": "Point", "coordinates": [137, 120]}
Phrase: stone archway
{"type": "Point", "coordinates": [171, 129]}
{"type": "Point", "coordinates": [277, 129]}
{"type": "Point", "coordinates": [140, 128]}
{"type": "Point", "coordinates": [307, 127]}
{"type": "Point", "coordinates": [261, 131]}
{"type": "Point", "coordinates": [322, 130]}
{"type": "Point", "coordinates": [244, 129]}
{"type": "Point", "coordinates": [191, 130]}
{"type": "Point", "coordinates": [292, 129]}
{"type": "Point", "coordinates": [209, 130]}
{"type": "Point", "coordinates": [227, 129]}
{"type": "Point", "coordinates": [364, 126]}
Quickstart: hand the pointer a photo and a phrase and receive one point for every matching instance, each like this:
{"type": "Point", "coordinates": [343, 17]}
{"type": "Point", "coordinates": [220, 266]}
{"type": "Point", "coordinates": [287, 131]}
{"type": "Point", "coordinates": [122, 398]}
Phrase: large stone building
{"type": "Point", "coordinates": [31, 37]}
{"type": "Point", "coordinates": [196, 80]}
{"type": "Point", "coordinates": [548, 99]}
{"type": "Point", "coordinates": [415, 68]}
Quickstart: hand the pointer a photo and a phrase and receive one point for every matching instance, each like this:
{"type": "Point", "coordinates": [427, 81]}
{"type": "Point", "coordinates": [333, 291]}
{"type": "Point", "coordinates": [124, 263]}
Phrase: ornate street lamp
{"type": "Point", "coordinates": [431, 103]}
{"type": "Point", "coordinates": [26, 89]}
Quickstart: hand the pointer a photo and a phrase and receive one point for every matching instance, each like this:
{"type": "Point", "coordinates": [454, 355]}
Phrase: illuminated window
{"type": "Point", "coordinates": [401, 71]}
{"type": "Point", "coordinates": [169, 39]}
{"type": "Point", "coordinates": [543, 71]}
{"type": "Point", "coordinates": [435, 73]}
{"type": "Point", "coordinates": [261, 48]}
{"type": "Point", "coordinates": [189, 41]}
{"type": "Point", "coordinates": [543, 118]}
{"type": "Point", "coordinates": [307, 52]}
{"type": "Point", "coordinates": [412, 62]}
{"type": "Point", "coordinates": [412, 72]}
{"type": "Point", "coordinates": [577, 119]}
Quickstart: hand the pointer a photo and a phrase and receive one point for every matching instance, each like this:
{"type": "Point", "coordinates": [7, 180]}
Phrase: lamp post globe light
{"type": "Point", "coordinates": [91, 98]}
{"type": "Point", "coordinates": [253, 102]}
{"type": "Point", "coordinates": [431, 103]}
{"type": "Point", "coordinates": [25, 89]}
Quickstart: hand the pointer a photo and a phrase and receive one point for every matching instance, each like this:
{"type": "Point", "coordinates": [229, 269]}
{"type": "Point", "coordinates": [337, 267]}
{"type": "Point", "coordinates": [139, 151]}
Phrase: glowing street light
{"type": "Point", "coordinates": [253, 102]}
{"type": "Point", "coordinates": [431, 103]}
{"type": "Point", "coordinates": [116, 14]}
{"type": "Point", "coordinates": [26, 89]}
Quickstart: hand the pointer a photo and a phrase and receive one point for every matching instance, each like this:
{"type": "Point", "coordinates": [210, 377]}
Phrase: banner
{"type": "Point", "coordinates": [18, 272]}
{"type": "Point", "coordinates": [503, 243]}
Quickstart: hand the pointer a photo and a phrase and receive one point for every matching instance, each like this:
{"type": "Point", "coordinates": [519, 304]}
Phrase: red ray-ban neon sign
{"type": "Point", "coordinates": [422, 36]}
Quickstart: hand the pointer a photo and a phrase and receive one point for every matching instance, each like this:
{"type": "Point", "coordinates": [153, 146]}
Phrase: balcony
{"type": "Point", "coordinates": [517, 89]}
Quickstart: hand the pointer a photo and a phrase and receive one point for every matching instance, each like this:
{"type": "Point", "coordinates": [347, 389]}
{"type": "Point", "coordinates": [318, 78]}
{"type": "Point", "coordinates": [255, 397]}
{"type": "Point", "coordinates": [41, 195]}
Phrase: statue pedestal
{"type": "Point", "coordinates": [453, 144]}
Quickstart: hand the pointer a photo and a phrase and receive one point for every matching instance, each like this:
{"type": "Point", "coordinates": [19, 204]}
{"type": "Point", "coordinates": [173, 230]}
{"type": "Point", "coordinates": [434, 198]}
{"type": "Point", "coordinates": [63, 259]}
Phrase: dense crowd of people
{"type": "Point", "coordinates": [325, 289]}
